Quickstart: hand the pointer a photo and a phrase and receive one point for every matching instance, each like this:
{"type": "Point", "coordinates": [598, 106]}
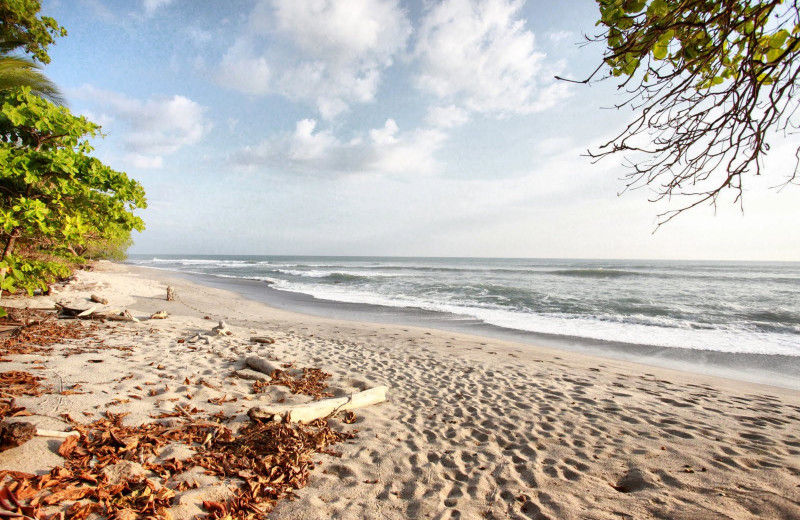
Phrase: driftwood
{"type": "Point", "coordinates": [99, 299]}
{"type": "Point", "coordinates": [252, 375]}
{"type": "Point", "coordinates": [55, 434]}
{"type": "Point", "coordinates": [262, 365]}
{"type": "Point", "coordinates": [171, 296]}
{"type": "Point", "coordinates": [318, 409]}
{"type": "Point", "coordinates": [262, 339]}
{"type": "Point", "coordinates": [66, 310]}
{"type": "Point", "coordinates": [122, 316]}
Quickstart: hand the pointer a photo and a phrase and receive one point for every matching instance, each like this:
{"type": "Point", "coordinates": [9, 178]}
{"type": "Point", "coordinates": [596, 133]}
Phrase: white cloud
{"type": "Point", "coordinates": [308, 150]}
{"type": "Point", "coordinates": [151, 6]}
{"type": "Point", "coordinates": [243, 70]}
{"type": "Point", "coordinates": [149, 129]}
{"type": "Point", "coordinates": [478, 53]}
{"type": "Point", "coordinates": [327, 52]}
{"type": "Point", "coordinates": [447, 117]}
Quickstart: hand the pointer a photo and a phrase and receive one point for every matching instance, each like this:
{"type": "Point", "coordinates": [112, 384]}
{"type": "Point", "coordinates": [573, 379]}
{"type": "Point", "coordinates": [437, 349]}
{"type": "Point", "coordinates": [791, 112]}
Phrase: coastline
{"type": "Point", "coordinates": [769, 369]}
{"type": "Point", "coordinates": [474, 427]}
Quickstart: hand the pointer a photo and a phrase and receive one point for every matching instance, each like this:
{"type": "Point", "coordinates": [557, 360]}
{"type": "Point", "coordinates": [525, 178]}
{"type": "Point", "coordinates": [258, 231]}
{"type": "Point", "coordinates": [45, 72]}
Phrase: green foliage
{"type": "Point", "coordinates": [21, 29]}
{"type": "Point", "coordinates": [712, 81]}
{"type": "Point", "coordinates": [22, 72]}
{"type": "Point", "coordinates": [54, 196]}
{"type": "Point", "coordinates": [112, 247]}
{"type": "Point", "coordinates": [714, 40]}
{"type": "Point", "coordinates": [29, 274]}
{"type": "Point", "coordinates": [20, 26]}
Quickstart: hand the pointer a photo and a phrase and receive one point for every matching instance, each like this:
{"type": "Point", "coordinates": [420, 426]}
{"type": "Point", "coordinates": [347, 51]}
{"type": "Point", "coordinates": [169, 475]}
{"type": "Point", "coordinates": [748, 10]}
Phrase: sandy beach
{"type": "Point", "coordinates": [472, 427]}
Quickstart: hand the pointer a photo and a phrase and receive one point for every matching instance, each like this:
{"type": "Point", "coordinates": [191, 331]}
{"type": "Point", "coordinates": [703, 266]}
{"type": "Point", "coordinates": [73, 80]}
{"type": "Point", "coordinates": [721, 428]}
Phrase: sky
{"type": "Point", "coordinates": [382, 127]}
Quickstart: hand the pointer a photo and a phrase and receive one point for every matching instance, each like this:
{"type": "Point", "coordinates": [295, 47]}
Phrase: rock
{"type": "Point", "coordinates": [252, 375]}
{"type": "Point", "coordinates": [262, 365]}
{"type": "Point", "coordinates": [160, 315]}
{"type": "Point", "coordinates": [221, 330]}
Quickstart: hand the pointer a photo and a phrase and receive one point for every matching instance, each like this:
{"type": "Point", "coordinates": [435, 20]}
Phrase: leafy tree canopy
{"type": "Point", "coordinates": [710, 80]}
{"type": "Point", "coordinates": [20, 26]}
{"type": "Point", "coordinates": [53, 195]}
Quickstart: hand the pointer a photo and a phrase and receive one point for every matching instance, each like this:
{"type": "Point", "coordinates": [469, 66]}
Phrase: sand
{"type": "Point", "coordinates": [473, 427]}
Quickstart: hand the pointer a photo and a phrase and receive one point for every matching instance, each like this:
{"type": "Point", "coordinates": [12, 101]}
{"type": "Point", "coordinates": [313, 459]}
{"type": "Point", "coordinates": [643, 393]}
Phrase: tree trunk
{"type": "Point", "coordinates": [12, 238]}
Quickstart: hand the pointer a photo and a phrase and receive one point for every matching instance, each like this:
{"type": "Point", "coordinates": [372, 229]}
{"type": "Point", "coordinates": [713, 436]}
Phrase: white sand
{"type": "Point", "coordinates": [474, 427]}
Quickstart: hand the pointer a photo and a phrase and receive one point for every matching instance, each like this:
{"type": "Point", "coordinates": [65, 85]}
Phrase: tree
{"type": "Point", "coordinates": [712, 81]}
{"type": "Point", "coordinates": [53, 195]}
{"type": "Point", "coordinates": [22, 29]}
{"type": "Point", "coordinates": [19, 23]}
{"type": "Point", "coordinates": [16, 71]}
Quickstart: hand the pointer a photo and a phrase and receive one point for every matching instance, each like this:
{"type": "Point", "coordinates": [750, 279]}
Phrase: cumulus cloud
{"type": "Point", "coordinates": [384, 150]}
{"type": "Point", "coordinates": [152, 128]}
{"type": "Point", "coordinates": [326, 52]}
{"type": "Point", "coordinates": [478, 53]}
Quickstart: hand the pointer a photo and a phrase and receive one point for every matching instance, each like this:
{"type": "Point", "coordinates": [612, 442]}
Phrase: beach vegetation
{"type": "Point", "coordinates": [24, 38]}
{"type": "Point", "coordinates": [711, 81]}
{"type": "Point", "coordinates": [55, 198]}
{"type": "Point", "coordinates": [58, 204]}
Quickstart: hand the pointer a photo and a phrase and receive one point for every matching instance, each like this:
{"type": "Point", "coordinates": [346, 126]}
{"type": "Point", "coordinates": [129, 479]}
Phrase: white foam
{"type": "Point", "coordinates": [661, 332]}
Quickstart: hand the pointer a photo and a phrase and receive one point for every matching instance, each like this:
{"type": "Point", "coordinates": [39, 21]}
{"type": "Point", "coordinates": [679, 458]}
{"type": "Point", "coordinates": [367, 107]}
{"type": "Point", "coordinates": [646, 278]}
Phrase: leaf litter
{"type": "Point", "coordinates": [271, 460]}
{"type": "Point", "coordinates": [311, 382]}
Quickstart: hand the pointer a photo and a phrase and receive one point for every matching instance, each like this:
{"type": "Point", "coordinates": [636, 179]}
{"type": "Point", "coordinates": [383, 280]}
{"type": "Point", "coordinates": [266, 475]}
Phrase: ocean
{"type": "Point", "coordinates": [742, 308]}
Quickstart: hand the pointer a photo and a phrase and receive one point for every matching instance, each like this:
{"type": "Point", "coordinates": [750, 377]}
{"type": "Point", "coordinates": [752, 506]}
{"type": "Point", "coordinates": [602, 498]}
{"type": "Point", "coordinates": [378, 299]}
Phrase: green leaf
{"type": "Point", "coordinates": [660, 51]}
{"type": "Point", "coordinates": [778, 39]}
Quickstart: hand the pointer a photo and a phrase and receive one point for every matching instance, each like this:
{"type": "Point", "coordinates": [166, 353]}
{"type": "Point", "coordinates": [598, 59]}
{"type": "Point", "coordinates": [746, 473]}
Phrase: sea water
{"type": "Point", "coordinates": [730, 307]}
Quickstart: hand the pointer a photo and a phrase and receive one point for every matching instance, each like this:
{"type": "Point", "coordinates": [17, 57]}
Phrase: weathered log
{"type": "Point", "coordinates": [318, 409]}
{"type": "Point", "coordinates": [262, 339]}
{"type": "Point", "coordinates": [122, 316]}
{"type": "Point", "coordinates": [66, 309]}
{"type": "Point", "coordinates": [55, 434]}
{"type": "Point", "coordinates": [171, 296]}
{"type": "Point", "coordinates": [88, 312]}
{"type": "Point", "coordinates": [98, 299]}
{"type": "Point", "coordinates": [262, 365]}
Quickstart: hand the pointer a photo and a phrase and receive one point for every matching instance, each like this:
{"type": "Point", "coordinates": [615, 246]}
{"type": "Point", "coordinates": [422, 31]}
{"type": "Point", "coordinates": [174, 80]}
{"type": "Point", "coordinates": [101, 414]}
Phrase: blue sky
{"type": "Point", "coordinates": [380, 127]}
